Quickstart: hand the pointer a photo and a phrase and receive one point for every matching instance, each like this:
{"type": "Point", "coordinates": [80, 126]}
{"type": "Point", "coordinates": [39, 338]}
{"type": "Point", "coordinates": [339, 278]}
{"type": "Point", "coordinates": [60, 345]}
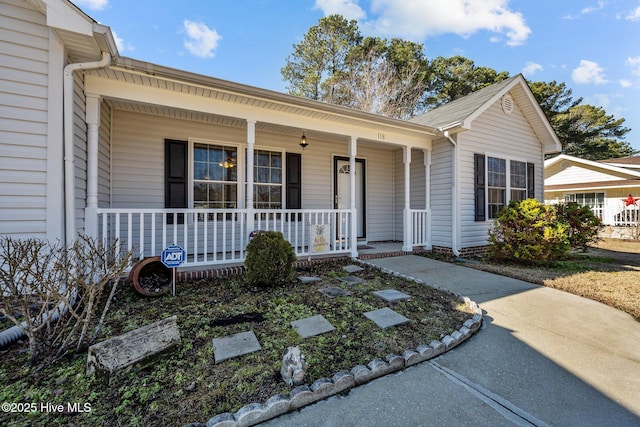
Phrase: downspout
{"type": "Point", "coordinates": [454, 199]}
{"type": "Point", "coordinates": [69, 173]}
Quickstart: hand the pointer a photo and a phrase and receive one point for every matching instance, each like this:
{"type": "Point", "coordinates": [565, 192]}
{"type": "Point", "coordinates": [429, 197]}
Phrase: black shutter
{"type": "Point", "coordinates": [531, 181]}
{"type": "Point", "coordinates": [294, 181]}
{"type": "Point", "coordinates": [175, 177]}
{"type": "Point", "coordinates": [479, 184]}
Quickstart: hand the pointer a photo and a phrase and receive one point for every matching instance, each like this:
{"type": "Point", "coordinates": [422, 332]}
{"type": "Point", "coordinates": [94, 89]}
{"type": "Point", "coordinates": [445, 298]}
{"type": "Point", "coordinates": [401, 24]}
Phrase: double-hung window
{"type": "Point", "coordinates": [498, 181]}
{"type": "Point", "coordinates": [215, 176]}
{"type": "Point", "coordinates": [267, 176]}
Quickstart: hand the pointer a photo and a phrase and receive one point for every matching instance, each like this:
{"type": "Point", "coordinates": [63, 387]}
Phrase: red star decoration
{"type": "Point", "coordinates": [630, 201]}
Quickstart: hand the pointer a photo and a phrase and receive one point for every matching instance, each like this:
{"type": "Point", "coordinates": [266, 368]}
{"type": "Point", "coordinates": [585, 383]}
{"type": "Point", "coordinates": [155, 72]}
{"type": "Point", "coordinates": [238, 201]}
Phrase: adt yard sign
{"type": "Point", "coordinates": [173, 256]}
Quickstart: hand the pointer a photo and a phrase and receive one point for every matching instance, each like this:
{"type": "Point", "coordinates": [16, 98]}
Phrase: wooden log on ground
{"type": "Point", "coordinates": [134, 347]}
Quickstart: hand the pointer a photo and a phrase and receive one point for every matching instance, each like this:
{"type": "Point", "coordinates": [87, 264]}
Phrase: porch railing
{"type": "Point", "coordinates": [219, 236]}
{"type": "Point", "coordinates": [628, 216]}
{"type": "Point", "coordinates": [420, 227]}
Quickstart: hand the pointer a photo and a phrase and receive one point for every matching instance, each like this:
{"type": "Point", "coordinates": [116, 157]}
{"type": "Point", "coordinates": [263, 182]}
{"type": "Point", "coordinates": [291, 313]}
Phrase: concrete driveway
{"type": "Point", "coordinates": [543, 357]}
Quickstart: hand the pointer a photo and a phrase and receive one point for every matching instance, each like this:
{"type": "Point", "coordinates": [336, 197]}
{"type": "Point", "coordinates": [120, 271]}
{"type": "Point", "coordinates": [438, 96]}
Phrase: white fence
{"type": "Point", "coordinates": [627, 216]}
{"type": "Point", "coordinates": [219, 236]}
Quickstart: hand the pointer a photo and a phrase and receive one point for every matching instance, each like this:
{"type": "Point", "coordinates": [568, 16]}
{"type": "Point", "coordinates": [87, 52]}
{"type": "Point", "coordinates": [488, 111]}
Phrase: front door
{"type": "Point", "coordinates": [342, 189]}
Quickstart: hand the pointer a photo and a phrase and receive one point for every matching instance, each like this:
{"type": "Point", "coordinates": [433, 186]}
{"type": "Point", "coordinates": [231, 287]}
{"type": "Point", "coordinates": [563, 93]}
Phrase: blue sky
{"type": "Point", "coordinates": [592, 46]}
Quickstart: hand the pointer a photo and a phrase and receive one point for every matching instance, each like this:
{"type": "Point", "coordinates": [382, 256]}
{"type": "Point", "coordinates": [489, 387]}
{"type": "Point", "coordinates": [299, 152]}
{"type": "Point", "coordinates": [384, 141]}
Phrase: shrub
{"type": "Point", "coordinates": [269, 259]}
{"type": "Point", "coordinates": [528, 232]}
{"type": "Point", "coordinates": [53, 293]}
{"type": "Point", "coordinates": [583, 225]}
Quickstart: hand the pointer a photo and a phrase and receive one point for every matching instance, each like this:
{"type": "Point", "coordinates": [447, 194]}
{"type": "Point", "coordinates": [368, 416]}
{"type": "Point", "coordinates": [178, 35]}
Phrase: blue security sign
{"type": "Point", "coordinates": [173, 256]}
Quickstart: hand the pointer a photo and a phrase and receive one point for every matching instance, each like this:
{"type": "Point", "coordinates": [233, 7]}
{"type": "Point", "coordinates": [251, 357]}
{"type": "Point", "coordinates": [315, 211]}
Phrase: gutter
{"type": "Point", "coordinates": [69, 173]}
{"type": "Point", "coordinates": [454, 192]}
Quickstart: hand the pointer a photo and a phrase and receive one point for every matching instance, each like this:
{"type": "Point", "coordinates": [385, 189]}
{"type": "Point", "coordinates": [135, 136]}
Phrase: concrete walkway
{"type": "Point", "coordinates": [543, 357]}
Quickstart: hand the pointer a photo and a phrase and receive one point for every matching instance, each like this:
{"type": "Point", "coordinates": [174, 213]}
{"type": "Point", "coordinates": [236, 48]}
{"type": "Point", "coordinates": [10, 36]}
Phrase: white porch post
{"type": "Point", "coordinates": [251, 140]}
{"type": "Point", "coordinates": [406, 238]}
{"type": "Point", "coordinates": [93, 124]}
{"type": "Point", "coordinates": [353, 147]}
{"type": "Point", "coordinates": [427, 180]}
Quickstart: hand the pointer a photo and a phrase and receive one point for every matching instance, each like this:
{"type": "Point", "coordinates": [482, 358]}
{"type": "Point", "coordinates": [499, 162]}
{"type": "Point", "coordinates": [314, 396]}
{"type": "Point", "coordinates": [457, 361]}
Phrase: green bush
{"type": "Point", "coordinates": [269, 259]}
{"type": "Point", "coordinates": [528, 232]}
{"type": "Point", "coordinates": [583, 225]}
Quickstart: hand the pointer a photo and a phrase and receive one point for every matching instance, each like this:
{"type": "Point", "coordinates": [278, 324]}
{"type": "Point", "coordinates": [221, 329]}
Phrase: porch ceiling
{"type": "Point", "coordinates": [231, 104]}
{"type": "Point", "coordinates": [216, 119]}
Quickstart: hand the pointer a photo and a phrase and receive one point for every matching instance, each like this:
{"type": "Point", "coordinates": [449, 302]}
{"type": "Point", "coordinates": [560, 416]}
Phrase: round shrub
{"type": "Point", "coordinates": [583, 225]}
{"type": "Point", "coordinates": [269, 259]}
{"type": "Point", "coordinates": [528, 232]}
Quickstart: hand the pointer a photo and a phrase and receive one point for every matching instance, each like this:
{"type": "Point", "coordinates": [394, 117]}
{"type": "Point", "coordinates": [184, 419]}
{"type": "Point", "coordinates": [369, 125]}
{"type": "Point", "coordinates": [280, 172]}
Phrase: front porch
{"type": "Point", "coordinates": [216, 237]}
{"type": "Point", "coordinates": [213, 237]}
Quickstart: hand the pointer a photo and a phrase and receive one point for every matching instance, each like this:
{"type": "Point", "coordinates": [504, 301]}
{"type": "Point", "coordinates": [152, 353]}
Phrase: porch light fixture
{"type": "Point", "coordinates": [303, 141]}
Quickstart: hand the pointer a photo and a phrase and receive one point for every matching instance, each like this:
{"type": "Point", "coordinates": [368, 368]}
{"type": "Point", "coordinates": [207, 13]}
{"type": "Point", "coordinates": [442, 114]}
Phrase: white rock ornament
{"type": "Point", "coordinates": [293, 366]}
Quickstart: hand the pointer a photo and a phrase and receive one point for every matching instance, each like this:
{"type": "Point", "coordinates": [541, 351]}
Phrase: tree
{"type": "Point", "coordinates": [456, 77]}
{"type": "Point", "coordinates": [317, 66]}
{"type": "Point", "coordinates": [387, 78]}
{"type": "Point", "coordinates": [589, 133]}
{"type": "Point", "coordinates": [335, 64]}
{"type": "Point", "coordinates": [584, 130]}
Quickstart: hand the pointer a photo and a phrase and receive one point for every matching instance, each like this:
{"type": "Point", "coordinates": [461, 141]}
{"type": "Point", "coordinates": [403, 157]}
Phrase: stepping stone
{"type": "Point", "coordinates": [309, 279]}
{"type": "Point", "coordinates": [385, 318]}
{"type": "Point", "coordinates": [391, 295]}
{"type": "Point", "coordinates": [235, 345]}
{"type": "Point", "coordinates": [312, 326]}
{"type": "Point", "coordinates": [351, 279]}
{"type": "Point", "coordinates": [352, 268]}
{"type": "Point", "coordinates": [334, 292]}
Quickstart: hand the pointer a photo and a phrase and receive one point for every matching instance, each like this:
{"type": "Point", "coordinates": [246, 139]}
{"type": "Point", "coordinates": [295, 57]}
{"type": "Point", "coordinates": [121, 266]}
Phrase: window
{"type": "Point", "coordinates": [506, 180]}
{"type": "Point", "coordinates": [267, 176]}
{"type": "Point", "coordinates": [595, 201]}
{"type": "Point", "coordinates": [497, 185]}
{"type": "Point", "coordinates": [215, 176]}
{"type": "Point", "coordinates": [518, 172]}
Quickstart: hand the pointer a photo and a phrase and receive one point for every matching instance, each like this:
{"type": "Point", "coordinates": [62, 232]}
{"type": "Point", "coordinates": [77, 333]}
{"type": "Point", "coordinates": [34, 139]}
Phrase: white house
{"type": "Point", "coordinates": [611, 188]}
{"type": "Point", "coordinates": [118, 148]}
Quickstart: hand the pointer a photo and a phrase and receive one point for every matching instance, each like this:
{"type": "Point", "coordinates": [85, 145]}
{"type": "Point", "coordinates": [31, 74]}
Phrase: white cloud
{"type": "Point", "coordinates": [588, 72]}
{"type": "Point", "coordinates": [92, 4]}
{"type": "Point", "coordinates": [347, 8]}
{"type": "Point", "coordinates": [417, 19]}
{"type": "Point", "coordinates": [531, 68]}
{"type": "Point", "coordinates": [120, 43]}
{"type": "Point", "coordinates": [634, 63]}
{"type": "Point", "coordinates": [591, 9]}
{"type": "Point", "coordinates": [633, 15]}
{"type": "Point", "coordinates": [626, 83]}
{"type": "Point", "coordinates": [201, 40]}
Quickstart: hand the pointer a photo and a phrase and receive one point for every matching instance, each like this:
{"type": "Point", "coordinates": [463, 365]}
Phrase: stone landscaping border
{"type": "Point", "coordinates": [303, 395]}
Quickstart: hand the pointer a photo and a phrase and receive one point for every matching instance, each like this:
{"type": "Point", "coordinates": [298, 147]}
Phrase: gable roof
{"type": "Point", "coordinates": [456, 112]}
{"type": "Point", "coordinates": [605, 167]}
{"type": "Point", "coordinates": [631, 162]}
{"type": "Point", "coordinates": [463, 111]}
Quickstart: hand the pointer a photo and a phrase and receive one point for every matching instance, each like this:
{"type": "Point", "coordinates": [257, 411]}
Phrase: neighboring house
{"type": "Point", "coordinates": [611, 188]}
{"type": "Point", "coordinates": [117, 148]}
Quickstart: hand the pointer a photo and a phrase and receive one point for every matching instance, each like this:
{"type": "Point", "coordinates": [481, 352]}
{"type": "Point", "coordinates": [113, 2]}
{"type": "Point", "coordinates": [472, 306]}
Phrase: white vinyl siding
{"type": "Point", "coordinates": [493, 134]}
{"type": "Point", "coordinates": [565, 172]}
{"type": "Point", "coordinates": [442, 192]}
{"type": "Point", "coordinates": [138, 165]}
{"type": "Point", "coordinates": [24, 44]}
{"type": "Point", "coordinates": [79, 150]}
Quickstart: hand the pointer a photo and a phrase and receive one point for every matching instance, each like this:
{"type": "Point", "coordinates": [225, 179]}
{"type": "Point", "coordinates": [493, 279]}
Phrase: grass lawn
{"type": "Point", "coordinates": [187, 386]}
{"type": "Point", "coordinates": [609, 273]}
